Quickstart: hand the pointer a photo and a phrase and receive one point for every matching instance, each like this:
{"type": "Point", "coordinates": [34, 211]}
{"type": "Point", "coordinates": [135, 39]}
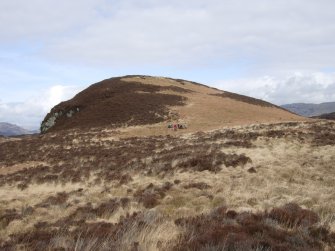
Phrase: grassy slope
{"type": "Point", "coordinates": [88, 190]}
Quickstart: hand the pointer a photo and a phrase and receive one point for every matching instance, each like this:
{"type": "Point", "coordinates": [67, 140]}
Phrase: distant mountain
{"type": "Point", "coordinates": [309, 110]}
{"type": "Point", "coordinates": [7, 129]}
{"type": "Point", "coordinates": [330, 116]}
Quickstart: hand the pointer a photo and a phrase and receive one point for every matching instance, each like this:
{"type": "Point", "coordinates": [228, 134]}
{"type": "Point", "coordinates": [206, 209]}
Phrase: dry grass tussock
{"type": "Point", "coordinates": [260, 187]}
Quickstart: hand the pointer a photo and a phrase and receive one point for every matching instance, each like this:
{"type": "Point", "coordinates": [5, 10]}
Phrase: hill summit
{"type": "Point", "coordinates": [142, 102]}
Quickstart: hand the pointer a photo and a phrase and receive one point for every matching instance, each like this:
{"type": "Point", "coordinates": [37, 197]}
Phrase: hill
{"type": "Point", "coordinates": [329, 116]}
{"type": "Point", "coordinates": [7, 129]}
{"type": "Point", "coordinates": [310, 110]}
{"type": "Point", "coordinates": [108, 174]}
{"type": "Point", "coordinates": [144, 105]}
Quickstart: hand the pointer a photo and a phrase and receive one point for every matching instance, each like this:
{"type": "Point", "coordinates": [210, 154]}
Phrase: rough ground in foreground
{"type": "Point", "coordinates": [258, 187]}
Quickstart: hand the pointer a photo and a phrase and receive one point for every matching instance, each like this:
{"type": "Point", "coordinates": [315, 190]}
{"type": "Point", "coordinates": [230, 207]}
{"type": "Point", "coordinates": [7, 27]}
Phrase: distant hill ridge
{"type": "Point", "coordinates": [329, 116]}
{"type": "Point", "coordinates": [148, 103]}
{"type": "Point", "coordinates": [309, 109]}
{"type": "Point", "coordinates": [7, 129]}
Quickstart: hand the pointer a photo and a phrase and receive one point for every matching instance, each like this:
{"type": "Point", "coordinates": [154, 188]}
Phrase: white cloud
{"type": "Point", "coordinates": [57, 93]}
{"type": "Point", "coordinates": [315, 87]}
{"type": "Point", "coordinates": [31, 112]}
{"type": "Point", "coordinates": [272, 34]}
{"type": "Point", "coordinates": [21, 19]}
{"type": "Point", "coordinates": [206, 40]}
{"type": "Point", "coordinates": [279, 34]}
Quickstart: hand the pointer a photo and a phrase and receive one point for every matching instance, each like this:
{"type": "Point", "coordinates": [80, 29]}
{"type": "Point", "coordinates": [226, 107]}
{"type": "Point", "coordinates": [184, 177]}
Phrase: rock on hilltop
{"type": "Point", "coordinates": [142, 101]}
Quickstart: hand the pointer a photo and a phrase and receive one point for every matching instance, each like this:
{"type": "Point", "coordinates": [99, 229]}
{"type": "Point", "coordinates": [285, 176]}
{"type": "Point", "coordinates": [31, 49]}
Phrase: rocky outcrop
{"type": "Point", "coordinates": [52, 118]}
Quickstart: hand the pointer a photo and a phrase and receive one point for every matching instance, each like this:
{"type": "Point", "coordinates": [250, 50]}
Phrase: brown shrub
{"type": "Point", "coordinates": [252, 170]}
{"type": "Point", "coordinates": [235, 160]}
{"type": "Point", "coordinates": [106, 209]}
{"type": "Point", "coordinates": [237, 143]}
{"type": "Point", "coordinates": [27, 210]}
{"type": "Point", "coordinates": [292, 215]}
{"type": "Point", "coordinates": [224, 229]}
{"type": "Point", "coordinates": [58, 199]}
{"type": "Point", "coordinates": [126, 178]}
{"type": "Point", "coordinates": [322, 138]}
{"type": "Point", "coordinates": [149, 200]}
{"type": "Point", "coordinates": [151, 195]}
{"type": "Point", "coordinates": [234, 136]}
{"type": "Point", "coordinates": [83, 213]}
{"type": "Point", "coordinates": [198, 185]}
{"type": "Point", "coordinates": [124, 202]}
{"type": "Point", "coordinates": [274, 134]}
{"type": "Point", "coordinates": [47, 178]}
{"type": "Point", "coordinates": [36, 240]}
{"type": "Point", "coordinates": [231, 214]}
{"type": "Point", "coordinates": [200, 163]}
{"type": "Point", "coordinates": [41, 224]}
{"type": "Point", "coordinates": [22, 186]}
{"type": "Point", "coordinates": [8, 216]}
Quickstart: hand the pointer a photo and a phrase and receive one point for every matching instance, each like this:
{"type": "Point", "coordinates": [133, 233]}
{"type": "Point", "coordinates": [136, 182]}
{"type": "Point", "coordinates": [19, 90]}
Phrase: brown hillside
{"type": "Point", "coordinates": [143, 105]}
{"type": "Point", "coordinates": [329, 116]}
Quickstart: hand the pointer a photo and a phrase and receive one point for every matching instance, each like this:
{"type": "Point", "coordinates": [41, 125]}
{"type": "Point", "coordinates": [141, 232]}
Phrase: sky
{"type": "Point", "coordinates": [281, 51]}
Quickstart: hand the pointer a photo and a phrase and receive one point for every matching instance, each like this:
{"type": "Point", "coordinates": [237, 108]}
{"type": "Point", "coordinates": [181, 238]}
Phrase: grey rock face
{"type": "Point", "coordinates": [52, 120]}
